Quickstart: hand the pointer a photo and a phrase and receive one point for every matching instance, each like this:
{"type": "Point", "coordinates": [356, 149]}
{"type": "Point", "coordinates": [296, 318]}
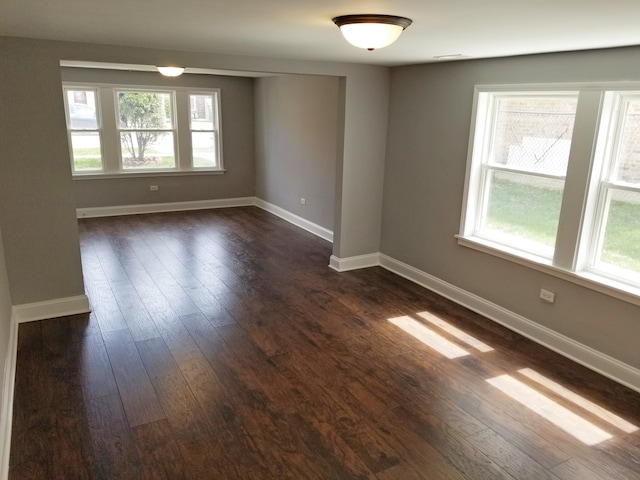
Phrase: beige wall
{"type": "Point", "coordinates": [236, 96]}
{"type": "Point", "coordinates": [297, 118]}
{"type": "Point", "coordinates": [430, 116]}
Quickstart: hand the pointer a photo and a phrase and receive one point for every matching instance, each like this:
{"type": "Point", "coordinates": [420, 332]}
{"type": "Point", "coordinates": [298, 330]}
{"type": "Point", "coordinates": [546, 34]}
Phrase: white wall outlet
{"type": "Point", "coordinates": [303, 201]}
{"type": "Point", "coordinates": [153, 188]}
{"type": "Point", "coordinates": [547, 296]}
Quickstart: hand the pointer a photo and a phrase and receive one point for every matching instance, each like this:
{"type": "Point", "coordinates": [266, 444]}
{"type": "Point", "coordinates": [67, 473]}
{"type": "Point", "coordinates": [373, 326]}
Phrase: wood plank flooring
{"type": "Point", "coordinates": [221, 346]}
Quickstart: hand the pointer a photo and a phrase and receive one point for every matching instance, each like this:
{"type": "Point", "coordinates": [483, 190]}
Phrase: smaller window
{"type": "Point", "coordinates": [205, 149]}
{"type": "Point", "coordinates": [146, 130]}
{"type": "Point", "coordinates": [85, 136]}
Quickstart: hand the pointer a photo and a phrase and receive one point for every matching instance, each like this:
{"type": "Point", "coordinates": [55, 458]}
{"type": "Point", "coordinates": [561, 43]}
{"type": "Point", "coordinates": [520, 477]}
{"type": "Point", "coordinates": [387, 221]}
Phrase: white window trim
{"type": "Point", "coordinates": [106, 97]}
{"type": "Point", "coordinates": [173, 130]}
{"type": "Point", "coordinates": [217, 112]}
{"type": "Point", "coordinates": [577, 226]}
{"type": "Point", "coordinates": [73, 87]}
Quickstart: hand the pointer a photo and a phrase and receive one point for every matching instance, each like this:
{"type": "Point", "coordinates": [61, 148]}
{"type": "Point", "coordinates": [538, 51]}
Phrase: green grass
{"type": "Point", "coordinates": [622, 238]}
{"type": "Point", "coordinates": [95, 163]}
{"type": "Point", "coordinates": [532, 213]}
{"type": "Point", "coordinates": [88, 163]}
{"type": "Point", "coordinates": [524, 211]}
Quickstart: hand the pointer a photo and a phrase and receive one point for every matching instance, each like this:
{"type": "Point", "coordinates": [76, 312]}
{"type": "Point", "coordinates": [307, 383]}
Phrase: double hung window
{"type": "Point", "coordinates": [84, 127]}
{"type": "Point", "coordinates": [615, 243]}
{"type": "Point", "coordinates": [146, 128]}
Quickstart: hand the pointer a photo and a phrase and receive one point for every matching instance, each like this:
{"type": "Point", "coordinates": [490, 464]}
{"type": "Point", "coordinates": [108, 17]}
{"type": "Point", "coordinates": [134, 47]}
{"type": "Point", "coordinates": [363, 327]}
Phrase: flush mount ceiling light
{"type": "Point", "coordinates": [371, 31]}
{"type": "Point", "coordinates": [171, 71]}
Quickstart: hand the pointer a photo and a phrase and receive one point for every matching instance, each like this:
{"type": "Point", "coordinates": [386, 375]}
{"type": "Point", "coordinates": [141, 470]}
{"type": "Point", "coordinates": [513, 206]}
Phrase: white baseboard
{"type": "Point", "coordinates": [163, 207]}
{"type": "Point", "coordinates": [354, 263]}
{"type": "Point", "coordinates": [317, 230]}
{"type": "Point", "coordinates": [6, 402]}
{"type": "Point", "coordinates": [565, 346]}
{"type": "Point", "coordinates": [118, 210]}
{"type": "Point", "coordinates": [59, 307]}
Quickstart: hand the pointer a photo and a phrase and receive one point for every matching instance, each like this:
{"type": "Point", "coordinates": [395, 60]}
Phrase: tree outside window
{"type": "Point", "coordinates": [146, 129]}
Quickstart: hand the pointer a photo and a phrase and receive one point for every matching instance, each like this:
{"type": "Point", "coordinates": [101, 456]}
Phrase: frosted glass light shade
{"type": "Point", "coordinates": [371, 31]}
{"type": "Point", "coordinates": [171, 71]}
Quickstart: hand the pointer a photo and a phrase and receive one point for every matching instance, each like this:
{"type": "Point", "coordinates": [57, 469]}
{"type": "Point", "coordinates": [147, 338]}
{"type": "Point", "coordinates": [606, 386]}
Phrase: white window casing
{"type": "Point", "coordinates": [589, 186]}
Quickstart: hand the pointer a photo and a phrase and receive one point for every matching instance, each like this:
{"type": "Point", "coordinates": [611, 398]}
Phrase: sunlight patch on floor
{"type": "Point", "coordinates": [429, 337]}
{"type": "Point", "coordinates": [580, 401]}
{"type": "Point", "coordinates": [560, 416]}
{"type": "Point", "coordinates": [456, 332]}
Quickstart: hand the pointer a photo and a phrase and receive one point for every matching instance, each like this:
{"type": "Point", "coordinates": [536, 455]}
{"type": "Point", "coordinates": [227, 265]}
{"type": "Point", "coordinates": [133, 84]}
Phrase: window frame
{"type": "Point", "coordinates": [581, 212]}
{"type": "Point", "coordinates": [99, 127]}
{"type": "Point", "coordinates": [217, 135]}
{"type": "Point", "coordinates": [173, 130]}
{"type": "Point", "coordinates": [112, 166]}
{"type": "Point", "coordinates": [482, 162]}
{"type": "Point", "coordinates": [611, 135]}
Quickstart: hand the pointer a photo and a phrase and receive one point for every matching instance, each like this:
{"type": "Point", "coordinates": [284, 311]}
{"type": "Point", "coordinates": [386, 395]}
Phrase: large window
{"type": "Point", "coordinates": [140, 130]}
{"type": "Point", "coordinates": [553, 180]}
{"type": "Point", "coordinates": [146, 129]}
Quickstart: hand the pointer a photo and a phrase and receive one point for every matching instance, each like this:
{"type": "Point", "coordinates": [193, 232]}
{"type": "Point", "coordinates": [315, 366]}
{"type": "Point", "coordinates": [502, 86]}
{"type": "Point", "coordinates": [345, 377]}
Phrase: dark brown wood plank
{"type": "Point", "coordinates": [220, 345]}
{"type": "Point", "coordinates": [138, 396]}
{"type": "Point", "coordinates": [114, 455]}
{"type": "Point", "coordinates": [160, 455]}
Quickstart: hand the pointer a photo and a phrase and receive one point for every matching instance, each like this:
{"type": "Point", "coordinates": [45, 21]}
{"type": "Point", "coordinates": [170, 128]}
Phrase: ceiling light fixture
{"type": "Point", "coordinates": [371, 31]}
{"type": "Point", "coordinates": [171, 71]}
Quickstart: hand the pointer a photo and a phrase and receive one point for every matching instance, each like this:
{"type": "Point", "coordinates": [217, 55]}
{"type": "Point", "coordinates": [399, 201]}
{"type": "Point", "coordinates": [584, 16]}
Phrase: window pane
{"type": "Point", "coordinates": [201, 112]}
{"type": "Point", "coordinates": [533, 133]}
{"type": "Point", "coordinates": [627, 163]}
{"type": "Point", "coordinates": [145, 111]}
{"type": "Point", "coordinates": [87, 154]}
{"type": "Point", "coordinates": [147, 149]}
{"type": "Point", "coordinates": [621, 242]}
{"type": "Point", "coordinates": [205, 153]}
{"type": "Point", "coordinates": [523, 211]}
{"type": "Point", "coordinates": [82, 109]}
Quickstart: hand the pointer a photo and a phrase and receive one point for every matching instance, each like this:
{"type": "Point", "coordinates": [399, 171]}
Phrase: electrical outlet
{"type": "Point", "coordinates": [547, 296]}
{"type": "Point", "coordinates": [303, 201]}
{"type": "Point", "coordinates": [153, 188]}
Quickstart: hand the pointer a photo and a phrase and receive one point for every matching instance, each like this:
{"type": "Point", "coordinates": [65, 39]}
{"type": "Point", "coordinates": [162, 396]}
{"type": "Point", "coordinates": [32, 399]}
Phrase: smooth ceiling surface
{"type": "Point", "coordinates": [302, 29]}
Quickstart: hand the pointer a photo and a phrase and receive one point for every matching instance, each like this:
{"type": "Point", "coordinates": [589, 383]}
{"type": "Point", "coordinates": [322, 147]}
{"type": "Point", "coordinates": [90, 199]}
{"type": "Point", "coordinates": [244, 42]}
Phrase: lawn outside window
{"type": "Point", "coordinates": [553, 181]}
{"type": "Point", "coordinates": [84, 129]}
{"type": "Point", "coordinates": [142, 131]}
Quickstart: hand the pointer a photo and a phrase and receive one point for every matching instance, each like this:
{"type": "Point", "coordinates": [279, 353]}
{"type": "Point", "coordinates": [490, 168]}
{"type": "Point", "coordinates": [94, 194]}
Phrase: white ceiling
{"type": "Point", "coordinates": [302, 29]}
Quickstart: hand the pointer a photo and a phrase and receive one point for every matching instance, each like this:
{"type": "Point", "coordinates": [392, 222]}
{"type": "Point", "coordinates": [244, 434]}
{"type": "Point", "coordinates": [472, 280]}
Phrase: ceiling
{"type": "Point", "coordinates": [302, 29]}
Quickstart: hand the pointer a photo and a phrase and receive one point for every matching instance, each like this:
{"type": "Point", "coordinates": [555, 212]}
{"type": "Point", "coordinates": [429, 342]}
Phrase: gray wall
{"type": "Point", "coordinates": [5, 319]}
{"type": "Point", "coordinates": [37, 194]}
{"type": "Point", "coordinates": [297, 143]}
{"type": "Point", "coordinates": [430, 116]}
{"type": "Point", "coordinates": [236, 94]}
{"type": "Point", "coordinates": [37, 204]}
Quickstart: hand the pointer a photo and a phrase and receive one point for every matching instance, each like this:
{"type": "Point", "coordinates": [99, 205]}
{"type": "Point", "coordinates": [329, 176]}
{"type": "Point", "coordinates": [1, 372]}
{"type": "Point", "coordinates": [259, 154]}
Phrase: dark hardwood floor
{"type": "Point", "coordinates": [221, 346]}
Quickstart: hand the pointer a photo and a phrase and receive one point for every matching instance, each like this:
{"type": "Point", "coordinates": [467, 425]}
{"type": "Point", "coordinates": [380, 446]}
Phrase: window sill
{"type": "Point", "coordinates": [598, 283]}
{"type": "Point", "coordinates": [138, 174]}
